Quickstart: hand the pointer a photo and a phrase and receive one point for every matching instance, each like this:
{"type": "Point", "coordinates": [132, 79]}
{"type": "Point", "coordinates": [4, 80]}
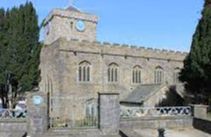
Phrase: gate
{"type": "Point", "coordinates": [73, 112]}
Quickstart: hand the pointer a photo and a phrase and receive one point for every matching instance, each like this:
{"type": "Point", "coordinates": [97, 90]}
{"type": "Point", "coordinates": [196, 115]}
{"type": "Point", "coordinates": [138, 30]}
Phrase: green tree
{"type": "Point", "coordinates": [172, 98]}
{"type": "Point", "coordinates": [2, 50]}
{"type": "Point", "coordinates": [2, 39]}
{"type": "Point", "coordinates": [19, 49]}
{"type": "Point", "coordinates": [197, 66]}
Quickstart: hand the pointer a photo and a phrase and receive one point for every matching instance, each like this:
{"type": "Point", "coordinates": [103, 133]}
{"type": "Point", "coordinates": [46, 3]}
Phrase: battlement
{"type": "Point", "coordinates": [78, 31]}
{"type": "Point", "coordinates": [108, 44]}
{"type": "Point", "coordinates": [120, 49]}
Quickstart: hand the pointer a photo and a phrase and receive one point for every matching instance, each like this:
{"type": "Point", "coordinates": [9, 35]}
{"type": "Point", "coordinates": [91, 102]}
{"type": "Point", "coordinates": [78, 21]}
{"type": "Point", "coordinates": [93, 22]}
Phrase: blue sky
{"type": "Point", "coordinates": [163, 24]}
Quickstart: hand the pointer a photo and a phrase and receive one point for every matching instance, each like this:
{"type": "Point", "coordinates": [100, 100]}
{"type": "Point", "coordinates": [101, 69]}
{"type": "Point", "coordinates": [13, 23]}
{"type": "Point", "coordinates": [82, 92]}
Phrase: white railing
{"type": "Point", "coordinates": [12, 114]}
{"type": "Point", "coordinates": [135, 112]}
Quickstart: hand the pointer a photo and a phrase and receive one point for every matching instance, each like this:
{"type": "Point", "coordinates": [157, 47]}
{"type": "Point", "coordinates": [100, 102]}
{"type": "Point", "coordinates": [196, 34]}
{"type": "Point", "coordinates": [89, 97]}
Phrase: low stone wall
{"type": "Point", "coordinates": [13, 128]}
{"type": "Point", "coordinates": [157, 122]}
{"type": "Point", "coordinates": [13, 125]}
{"type": "Point", "coordinates": [202, 124]}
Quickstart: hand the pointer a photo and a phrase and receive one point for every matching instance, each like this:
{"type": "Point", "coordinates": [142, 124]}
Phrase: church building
{"type": "Point", "coordinates": [75, 67]}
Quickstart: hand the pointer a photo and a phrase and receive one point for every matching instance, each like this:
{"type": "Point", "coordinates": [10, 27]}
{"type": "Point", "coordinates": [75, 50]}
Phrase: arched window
{"type": "Point", "coordinates": [84, 71]}
{"type": "Point", "coordinates": [158, 75]}
{"type": "Point", "coordinates": [113, 72]}
{"type": "Point", "coordinates": [136, 75]}
{"type": "Point", "coordinates": [176, 75]}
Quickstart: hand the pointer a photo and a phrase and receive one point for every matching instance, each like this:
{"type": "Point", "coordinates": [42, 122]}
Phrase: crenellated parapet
{"type": "Point", "coordinates": [116, 49]}
{"type": "Point", "coordinates": [123, 46]}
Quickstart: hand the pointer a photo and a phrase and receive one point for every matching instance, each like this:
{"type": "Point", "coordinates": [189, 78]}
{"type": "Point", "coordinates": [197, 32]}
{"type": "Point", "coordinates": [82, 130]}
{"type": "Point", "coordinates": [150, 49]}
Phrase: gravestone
{"type": "Point", "coordinates": [37, 120]}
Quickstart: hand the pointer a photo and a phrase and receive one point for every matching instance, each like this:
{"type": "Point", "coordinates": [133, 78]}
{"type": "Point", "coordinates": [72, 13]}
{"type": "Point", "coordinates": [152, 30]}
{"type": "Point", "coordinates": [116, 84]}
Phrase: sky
{"type": "Point", "coordinates": [162, 24]}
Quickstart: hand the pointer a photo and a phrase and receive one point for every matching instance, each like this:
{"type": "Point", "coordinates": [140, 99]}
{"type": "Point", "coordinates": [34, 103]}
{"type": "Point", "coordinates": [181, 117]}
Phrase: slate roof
{"type": "Point", "coordinates": [141, 93]}
{"type": "Point", "coordinates": [71, 8]}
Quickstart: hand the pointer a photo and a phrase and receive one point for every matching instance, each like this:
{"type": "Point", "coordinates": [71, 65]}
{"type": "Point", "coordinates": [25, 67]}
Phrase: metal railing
{"type": "Point", "coordinates": [81, 113]}
{"type": "Point", "coordinates": [12, 114]}
{"type": "Point", "coordinates": [88, 122]}
{"type": "Point", "coordinates": [131, 112]}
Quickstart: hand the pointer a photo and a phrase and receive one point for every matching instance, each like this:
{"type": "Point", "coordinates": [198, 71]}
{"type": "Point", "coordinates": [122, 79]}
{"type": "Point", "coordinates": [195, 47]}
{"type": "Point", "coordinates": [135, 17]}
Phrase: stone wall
{"type": "Point", "coordinates": [17, 128]}
{"type": "Point", "coordinates": [199, 111]}
{"type": "Point", "coordinates": [37, 113]}
{"type": "Point", "coordinates": [156, 122]}
{"type": "Point", "coordinates": [109, 113]}
{"type": "Point", "coordinates": [60, 63]}
{"type": "Point", "coordinates": [62, 23]}
{"type": "Point", "coordinates": [66, 47]}
{"type": "Point", "coordinates": [202, 124]}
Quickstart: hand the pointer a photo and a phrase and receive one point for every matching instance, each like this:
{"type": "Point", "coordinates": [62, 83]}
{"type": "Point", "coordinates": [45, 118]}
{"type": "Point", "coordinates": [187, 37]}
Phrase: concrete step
{"type": "Point", "coordinates": [81, 135]}
{"type": "Point", "coordinates": [65, 132]}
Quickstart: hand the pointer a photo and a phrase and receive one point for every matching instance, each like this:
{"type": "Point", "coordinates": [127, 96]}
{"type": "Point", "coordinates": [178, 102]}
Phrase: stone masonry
{"type": "Point", "coordinates": [60, 60]}
{"type": "Point", "coordinates": [61, 23]}
{"type": "Point", "coordinates": [66, 48]}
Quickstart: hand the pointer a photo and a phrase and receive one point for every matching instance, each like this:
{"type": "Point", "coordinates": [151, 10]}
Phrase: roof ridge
{"type": "Point", "coordinates": [156, 90]}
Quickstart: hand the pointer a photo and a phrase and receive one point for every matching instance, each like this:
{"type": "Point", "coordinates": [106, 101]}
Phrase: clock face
{"type": "Point", "coordinates": [80, 25]}
{"type": "Point", "coordinates": [37, 100]}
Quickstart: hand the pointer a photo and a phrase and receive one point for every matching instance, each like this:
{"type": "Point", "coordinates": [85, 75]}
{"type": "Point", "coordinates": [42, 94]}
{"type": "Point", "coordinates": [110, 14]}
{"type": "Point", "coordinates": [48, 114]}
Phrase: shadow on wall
{"type": "Point", "coordinates": [172, 99]}
{"type": "Point", "coordinates": [25, 135]}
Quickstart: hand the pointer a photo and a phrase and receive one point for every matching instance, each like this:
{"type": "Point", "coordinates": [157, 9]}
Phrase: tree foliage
{"type": "Point", "coordinates": [19, 48]}
{"type": "Point", "coordinates": [172, 98]}
{"type": "Point", "coordinates": [197, 65]}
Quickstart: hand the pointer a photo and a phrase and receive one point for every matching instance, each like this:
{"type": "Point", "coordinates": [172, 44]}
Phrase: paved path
{"type": "Point", "coordinates": [189, 132]}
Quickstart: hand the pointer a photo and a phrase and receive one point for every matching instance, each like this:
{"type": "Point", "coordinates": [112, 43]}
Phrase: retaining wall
{"type": "Point", "coordinates": [202, 124]}
{"type": "Point", "coordinates": [157, 122]}
{"type": "Point", "coordinates": [13, 128]}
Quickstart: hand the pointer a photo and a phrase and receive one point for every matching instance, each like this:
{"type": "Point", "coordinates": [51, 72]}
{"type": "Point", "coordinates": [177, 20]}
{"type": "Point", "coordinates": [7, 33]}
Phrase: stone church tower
{"type": "Point", "coordinates": [70, 23]}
